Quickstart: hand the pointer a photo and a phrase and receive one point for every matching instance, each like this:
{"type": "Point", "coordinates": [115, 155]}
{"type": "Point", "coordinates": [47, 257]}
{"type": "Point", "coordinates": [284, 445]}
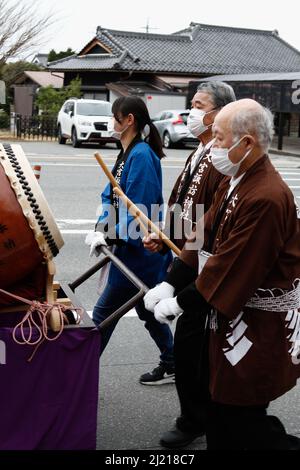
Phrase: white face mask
{"type": "Point", "coordinates": [221, 161]}
{"type": "Point", "coordinates": [195, 122]}
{"type": "Point", "coordinates": [112, 131]}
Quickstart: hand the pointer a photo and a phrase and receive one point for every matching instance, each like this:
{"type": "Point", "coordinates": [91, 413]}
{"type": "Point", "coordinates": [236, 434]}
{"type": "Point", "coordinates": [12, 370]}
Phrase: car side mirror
{"type": "Point", "coordinates": [71, 113]}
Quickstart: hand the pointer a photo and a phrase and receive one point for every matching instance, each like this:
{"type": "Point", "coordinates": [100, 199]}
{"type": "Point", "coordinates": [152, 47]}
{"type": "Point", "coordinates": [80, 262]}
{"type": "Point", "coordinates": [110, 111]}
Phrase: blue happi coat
{"type": "Point", "coordinates": [141, 181]}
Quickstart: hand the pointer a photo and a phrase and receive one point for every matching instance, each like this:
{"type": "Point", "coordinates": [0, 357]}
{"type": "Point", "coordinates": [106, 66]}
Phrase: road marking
{"type": "Point", "coordinates": [131, 313]}
{"type": "Point", "coordinates": [71, 158]}
{"type": "Point", "coordinates": [291, 179]}
{"type": "Point", "coordinates": [73, 165]}
{"type": "Point", "coordinates": [91, 156]}
{"type": "Point", "coordinates": [76, 221]}
{"type": "Point", "coordinates": [75, 232]}
{"type": "Point", "coordinates": [179, 162]}
{"type": "Point", "coordinates": [92, 165]}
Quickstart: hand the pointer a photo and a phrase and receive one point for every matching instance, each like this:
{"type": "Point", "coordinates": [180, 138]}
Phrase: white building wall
{"type": "Point", "coordinates": [157, 103]}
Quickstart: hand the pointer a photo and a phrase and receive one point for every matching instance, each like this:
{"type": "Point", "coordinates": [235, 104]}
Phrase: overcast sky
{"type": "Point", "coordinates": [77, 20]}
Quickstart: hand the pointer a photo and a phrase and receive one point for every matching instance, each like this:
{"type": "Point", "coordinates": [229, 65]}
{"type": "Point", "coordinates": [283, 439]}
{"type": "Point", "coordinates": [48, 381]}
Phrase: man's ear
{"type": "Point", "coordinates": [249, 141]}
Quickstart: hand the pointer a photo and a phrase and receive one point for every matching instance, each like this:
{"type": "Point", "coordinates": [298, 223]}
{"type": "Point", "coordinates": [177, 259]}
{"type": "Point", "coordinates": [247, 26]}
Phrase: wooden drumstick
{"type": "Point", "coordinates": [137, 213]}
{"type": "Point", "coordinates": [115, 184]}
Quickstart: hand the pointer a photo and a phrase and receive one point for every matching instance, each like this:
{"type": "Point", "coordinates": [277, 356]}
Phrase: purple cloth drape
{"type": "Point", "coordinates": [50, 402]}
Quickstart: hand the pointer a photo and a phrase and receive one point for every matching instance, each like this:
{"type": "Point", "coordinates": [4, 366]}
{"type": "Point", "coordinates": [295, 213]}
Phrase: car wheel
{"type": "Point", "coordinates": [167, 142]}
{"type": "Point", "coordinates": [61, 140]}
{"type": "Point", "coordinates": [75, 142]}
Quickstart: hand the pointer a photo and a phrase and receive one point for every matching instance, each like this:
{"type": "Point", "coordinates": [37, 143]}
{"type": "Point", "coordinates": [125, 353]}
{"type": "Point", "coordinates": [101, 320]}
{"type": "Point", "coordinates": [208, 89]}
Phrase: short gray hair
{"type": "Point", "coordinates": [258, 122]}
{"type": "Point", "coordinates": [220, 92]}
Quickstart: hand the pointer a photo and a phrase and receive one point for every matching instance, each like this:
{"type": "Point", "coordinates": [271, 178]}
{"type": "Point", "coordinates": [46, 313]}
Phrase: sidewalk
{"type": "Point", "coordinates": [7, 136]}
{"type": "Point", "coordinates": [291, 147]}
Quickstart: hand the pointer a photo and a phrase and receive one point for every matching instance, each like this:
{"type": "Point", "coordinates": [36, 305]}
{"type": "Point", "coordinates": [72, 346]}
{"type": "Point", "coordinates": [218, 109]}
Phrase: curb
{"type": "Point", "coordinates": [15, 139]}
{"type": "Point", "coordinates": [284, 153]}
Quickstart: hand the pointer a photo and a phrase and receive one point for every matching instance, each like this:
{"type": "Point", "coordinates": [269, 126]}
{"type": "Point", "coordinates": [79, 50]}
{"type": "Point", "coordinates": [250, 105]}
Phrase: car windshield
{"type": "Point", "coordinates": [94, 109]}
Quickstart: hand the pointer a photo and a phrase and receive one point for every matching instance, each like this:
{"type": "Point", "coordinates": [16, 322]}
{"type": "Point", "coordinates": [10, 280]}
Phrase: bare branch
{"type": "Point", "coordinates": [21, 28]}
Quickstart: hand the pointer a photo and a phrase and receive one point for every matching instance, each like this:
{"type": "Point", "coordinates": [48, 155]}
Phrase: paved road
{"type": "Point", "coordinates": [131, 416]}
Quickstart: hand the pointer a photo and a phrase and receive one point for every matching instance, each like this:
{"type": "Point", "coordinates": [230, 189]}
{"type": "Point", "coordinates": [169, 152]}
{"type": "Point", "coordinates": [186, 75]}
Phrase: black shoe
{"type": "Point", "coordinates": [177, 438]}
{"type": "Point", "coordinates": [294, 442]}
{"type": "Point", "coordinates": [162, 374]}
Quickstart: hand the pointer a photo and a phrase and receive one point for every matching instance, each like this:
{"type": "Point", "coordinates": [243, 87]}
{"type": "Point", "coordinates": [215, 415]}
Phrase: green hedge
{"type": "Point", "coordinates": [4, 121]}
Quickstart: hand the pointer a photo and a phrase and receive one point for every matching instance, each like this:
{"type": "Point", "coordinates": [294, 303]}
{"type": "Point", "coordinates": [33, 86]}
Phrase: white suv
{"type": "Point", "coordinates": [84, 121]}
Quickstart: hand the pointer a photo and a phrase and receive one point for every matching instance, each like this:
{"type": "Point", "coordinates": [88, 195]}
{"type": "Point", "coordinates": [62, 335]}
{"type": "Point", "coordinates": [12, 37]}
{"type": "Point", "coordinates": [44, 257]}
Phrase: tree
{"type": "Point", "coordinates": [21, 28]}
{"type": "Point", "coordinates": [11, 70]}
{"type": "Point", "coordinates": [49, 100]}
{"type": "Point", "coordinates": [74, 88]}
{"type": "Point", "coordinates": [53, 55]}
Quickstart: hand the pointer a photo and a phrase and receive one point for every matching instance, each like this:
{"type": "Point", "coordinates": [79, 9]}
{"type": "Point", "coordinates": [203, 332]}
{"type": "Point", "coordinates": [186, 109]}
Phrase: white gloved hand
{"type": "Point", "coordinates": [155, 295]}
{"type": "Point", "coordinates": [94, 239]}
{"type": "Point", "coordinates": [167, 308]}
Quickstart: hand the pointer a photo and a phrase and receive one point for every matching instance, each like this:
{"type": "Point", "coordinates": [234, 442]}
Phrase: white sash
{"type": "Point", "coordinates": [202, 259]}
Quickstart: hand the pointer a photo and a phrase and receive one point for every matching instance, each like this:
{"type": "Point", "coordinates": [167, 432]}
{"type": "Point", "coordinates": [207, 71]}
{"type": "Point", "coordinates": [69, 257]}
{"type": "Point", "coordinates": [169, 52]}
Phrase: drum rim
{"type": "Point", "coordinates": [52, 239]}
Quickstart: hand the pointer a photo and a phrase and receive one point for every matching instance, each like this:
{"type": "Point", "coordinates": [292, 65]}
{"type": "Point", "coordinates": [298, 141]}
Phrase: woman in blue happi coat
{"type": "Point", "coordinates": [138, 172]}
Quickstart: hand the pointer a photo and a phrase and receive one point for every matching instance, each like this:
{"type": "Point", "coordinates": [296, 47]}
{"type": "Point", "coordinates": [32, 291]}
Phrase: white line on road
{"type": "Point", "coordinates": [74, 232]}
{"type": "Point", "coordinates": [76, 221]}
{"type": "Point", "coordinates": [167, 164]}
{"type": "Point", "coordinates": [131, 313]}
{"type": "Point", "coordinates": [92, 165]}
{"type": "Point", "coordinates": [73, 165]}
{"type": "Point", "coordinates": [91, 158]}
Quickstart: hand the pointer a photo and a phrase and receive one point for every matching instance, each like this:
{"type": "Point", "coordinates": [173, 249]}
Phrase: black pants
{"type": "Point", "coordinates": [246, 428]}
{"type": "Point", "coordinates": [226, 427]}
{"type": "Point", "coordinates": [191, 371]}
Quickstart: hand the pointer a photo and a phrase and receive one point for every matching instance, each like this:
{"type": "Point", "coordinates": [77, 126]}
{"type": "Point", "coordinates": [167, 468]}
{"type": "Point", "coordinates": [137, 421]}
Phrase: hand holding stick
{"type": "Point", "coordinates": [138, 214]}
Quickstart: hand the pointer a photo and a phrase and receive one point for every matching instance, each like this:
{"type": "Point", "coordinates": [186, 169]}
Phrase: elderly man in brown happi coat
{"type": "Point", "coordinates": [247, 283]}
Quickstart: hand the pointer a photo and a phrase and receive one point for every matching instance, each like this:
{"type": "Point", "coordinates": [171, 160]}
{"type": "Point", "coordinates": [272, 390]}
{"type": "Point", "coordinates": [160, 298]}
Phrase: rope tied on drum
{"type": "Point", "coordinates": [40, 310]}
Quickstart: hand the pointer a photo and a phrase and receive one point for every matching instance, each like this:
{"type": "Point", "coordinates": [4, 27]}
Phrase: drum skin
{"type": "Point", "coordinates": [29, 236]}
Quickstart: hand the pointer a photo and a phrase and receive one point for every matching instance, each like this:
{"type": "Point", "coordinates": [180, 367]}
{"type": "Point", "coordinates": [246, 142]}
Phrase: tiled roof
{"type": "Point", "coordinates": [256, 77]}
{"type": "Point", "coordinates": [42, 78]}
{"type": "Point", "coordinates": [198, 49]}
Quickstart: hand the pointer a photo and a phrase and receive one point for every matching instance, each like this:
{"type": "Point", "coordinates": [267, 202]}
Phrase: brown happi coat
{"type": "Point", "coordinates": [256, 252]}
{"type": "Point", "coordinates": [190, 190]}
